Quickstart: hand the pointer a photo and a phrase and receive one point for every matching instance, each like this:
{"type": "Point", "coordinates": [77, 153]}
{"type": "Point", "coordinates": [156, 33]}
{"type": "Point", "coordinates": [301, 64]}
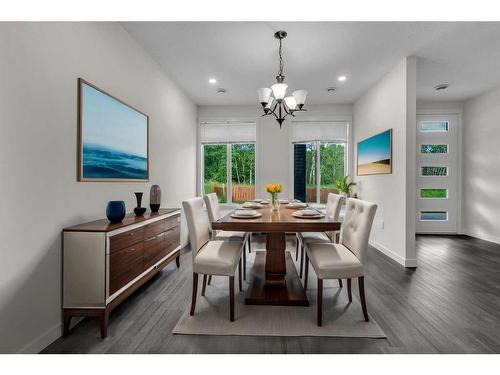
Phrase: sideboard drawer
{"type": "Point", "coordinates": [172, 222]}
{"type": "Point", "coordinates": [125, 265]}
{"type": "Point", "coordinates": [154, 250]}
{"type": "Point", "coordinates": [123, 240]}
{"type": "Point", "coordinates": [172, 238]}
{"type": "Point", "coordinates": [153, 229]}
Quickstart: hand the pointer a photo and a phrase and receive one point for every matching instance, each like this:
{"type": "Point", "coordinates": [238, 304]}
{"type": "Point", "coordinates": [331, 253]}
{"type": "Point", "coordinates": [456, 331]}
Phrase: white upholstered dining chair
{"type": "Point", "coordinates": [333, 205]}
{"type": "Point", "coordinates": [346, 259]}
{"type": "Point", "coordinates": [210, 257]}
{"type": "Point", "coordinates": [213, 209]}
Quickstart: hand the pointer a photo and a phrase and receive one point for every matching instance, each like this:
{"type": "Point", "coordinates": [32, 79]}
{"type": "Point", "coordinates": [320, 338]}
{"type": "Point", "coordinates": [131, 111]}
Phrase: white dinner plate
{"type": "Point", "coordinates": [307, 215]}
{"type": "Point", "coordinates": [257, 200]}
{"type": "Point", "coordinates": [247, 205]}
{"type": "Point", "coordinates": [243, 214]}
{"type": "Point", "coordinates": [296, 205]}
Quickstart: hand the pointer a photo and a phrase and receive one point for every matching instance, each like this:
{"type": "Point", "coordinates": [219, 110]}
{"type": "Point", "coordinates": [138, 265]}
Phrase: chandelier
{"type": "Point", "coordinates": [280, 105]}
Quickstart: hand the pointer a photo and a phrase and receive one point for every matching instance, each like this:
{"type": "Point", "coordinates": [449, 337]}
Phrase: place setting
{"type": "Point", "coordinates": [252, 205]}
{"type": "Point", "coordinates": [296, 205]}
{"type": "Point", "coordinates": [308, 214]}
{"type": "Point", "coordinates": [245, 214]}
{"type": "Point", "coordinates": [260, 201]}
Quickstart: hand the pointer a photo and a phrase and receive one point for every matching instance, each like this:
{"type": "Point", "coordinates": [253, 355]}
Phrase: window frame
{"type": "Point", "coordinates": [437, 154]}
{"type": "Point", "coordinates": [426, 188]}
{"type": "Point", "coordinates": [435, 130]}
{"type": "Point", "coordinates": [434, 220]}
{"type": "Point", "coordinates": [434, 175]}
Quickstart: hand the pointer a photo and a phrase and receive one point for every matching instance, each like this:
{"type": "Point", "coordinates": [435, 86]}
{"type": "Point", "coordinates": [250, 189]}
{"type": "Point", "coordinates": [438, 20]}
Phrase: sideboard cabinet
{"type": "Point", "coordinates": [104, 263]}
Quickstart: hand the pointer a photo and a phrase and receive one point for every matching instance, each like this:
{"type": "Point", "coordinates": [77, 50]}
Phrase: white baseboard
{"type": "Point", "coordinates": [391, 254]}
{"type": "Point", "coordinates": [482, 236]}
{"type": "Point", "coordinates": [42, 341]}
{"type": "Point", "coordinates": [47, 338]}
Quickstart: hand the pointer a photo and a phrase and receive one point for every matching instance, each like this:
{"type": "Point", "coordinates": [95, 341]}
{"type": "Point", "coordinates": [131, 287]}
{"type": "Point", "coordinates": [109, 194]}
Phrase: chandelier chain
{"type": "Point", "coordinates": [280, 72]}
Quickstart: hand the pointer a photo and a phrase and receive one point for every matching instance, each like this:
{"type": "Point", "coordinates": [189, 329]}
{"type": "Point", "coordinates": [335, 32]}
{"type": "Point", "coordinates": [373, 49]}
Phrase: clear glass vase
{"type": "Point", "coordinates": [275, 202]}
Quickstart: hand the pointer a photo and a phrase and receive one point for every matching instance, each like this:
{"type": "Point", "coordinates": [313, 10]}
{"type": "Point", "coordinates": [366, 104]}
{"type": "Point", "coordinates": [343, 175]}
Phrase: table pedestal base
{"type": "Point", "coordinates": [288, 293]}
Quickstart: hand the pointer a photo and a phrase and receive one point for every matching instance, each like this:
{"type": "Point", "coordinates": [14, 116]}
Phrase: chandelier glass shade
{"type": "Point", "coordinates": [274, 100]}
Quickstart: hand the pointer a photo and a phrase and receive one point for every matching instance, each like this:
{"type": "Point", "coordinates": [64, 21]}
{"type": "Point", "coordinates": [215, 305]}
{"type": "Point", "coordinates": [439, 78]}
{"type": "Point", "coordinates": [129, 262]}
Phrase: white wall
{"type": "Point", "coordinates": [391, 103]}
{"type": "Point", "coordinates": [481, 158]}
{"type": "Point", "coordinates": [39, 67]}
{"type": "Point", "coordinates": [273, 143]}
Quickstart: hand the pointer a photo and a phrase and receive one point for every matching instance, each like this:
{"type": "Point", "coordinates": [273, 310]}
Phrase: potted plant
{"type": "Point", "coordinates": [344, 186]}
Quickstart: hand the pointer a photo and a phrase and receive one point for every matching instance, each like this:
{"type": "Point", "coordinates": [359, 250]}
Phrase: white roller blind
{"type": "Point", "coordinates": [228, 132]}
{"type": "Point", "coordinates": [319, 131]}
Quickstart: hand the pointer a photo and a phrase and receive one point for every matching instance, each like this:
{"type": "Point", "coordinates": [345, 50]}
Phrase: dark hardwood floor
{"type": "Point", "coordinates": [449, 304]}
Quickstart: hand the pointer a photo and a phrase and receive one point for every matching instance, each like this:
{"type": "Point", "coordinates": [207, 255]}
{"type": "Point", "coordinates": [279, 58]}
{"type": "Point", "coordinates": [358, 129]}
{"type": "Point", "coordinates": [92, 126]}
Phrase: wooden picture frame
{"type": "Point", "coordinates": [83, 175]}
{"type": "Point", "coordinates": [376, 145]}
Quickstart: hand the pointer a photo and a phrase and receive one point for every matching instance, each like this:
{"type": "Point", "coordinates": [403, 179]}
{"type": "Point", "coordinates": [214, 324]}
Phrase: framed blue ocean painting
{"type": "Point", "coordinates": [375, 154]}
{"type": "Point", "coordinates": [113, 137]}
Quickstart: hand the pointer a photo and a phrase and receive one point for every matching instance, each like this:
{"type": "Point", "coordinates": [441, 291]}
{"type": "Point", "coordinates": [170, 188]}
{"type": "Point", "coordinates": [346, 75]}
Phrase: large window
{"type": "Point", "coordinates": [318, 164]}
{"type": "Point", "coordinates": [215, 170]}
{"type": "Point", "coordinates": [228, 161]}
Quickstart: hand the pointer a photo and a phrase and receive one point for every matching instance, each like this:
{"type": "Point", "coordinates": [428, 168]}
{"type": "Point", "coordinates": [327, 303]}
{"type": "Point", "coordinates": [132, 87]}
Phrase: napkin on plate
{"type": "Point", "coordinates": [309, 212]}
{"type": "Point", "coordinates": [246, 212]}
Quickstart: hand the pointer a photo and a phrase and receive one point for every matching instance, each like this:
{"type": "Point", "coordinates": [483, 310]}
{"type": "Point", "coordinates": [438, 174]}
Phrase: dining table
{"type": "Point", "coordinates": [275, 280]}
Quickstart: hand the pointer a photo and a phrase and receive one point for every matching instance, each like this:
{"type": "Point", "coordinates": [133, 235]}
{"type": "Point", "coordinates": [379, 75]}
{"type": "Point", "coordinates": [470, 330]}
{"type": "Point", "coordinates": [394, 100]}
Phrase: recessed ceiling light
{"type": "Point", "coordinates": [341, 78]}
{"type": "Point", "coordinates": [212, 80]}
{"type": "Point", "coordinates": [221, 91]}
{"type": "Point", "coordinates": [441, 86]}
{"type": "Point", "coordinates": [331, 89]}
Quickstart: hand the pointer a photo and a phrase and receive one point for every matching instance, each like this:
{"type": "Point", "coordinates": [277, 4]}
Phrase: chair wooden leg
{"type": "Point", "coordinates": [320, 302]}
{"type": "Point", "coordinates": [195, 291]}
{"type": "Point", "coordinates": [244, 264]}
{"type": "Point", "coordinates": [297, 248]}
{"type": "Point", "coordinates": [361, 283]}
{"type": "Point", "coordinates": [340, 283]}
{"type": "Point", "coordinates": [301, 260]}
{"type": "Point", "coordinates": [231, 298]}
{"type": "Point", "coordinates": [239, 277]}
{"type": "Point", "coordinates": [178, 261]}
{"type": "Point", "coordinates": [209, 279]}
{"type": "Point", "coordinates": [306, 271]}
{"type": "Point", "coordinates": [204, 285]}
{"type": "Point", "coordinates": [250, 243]}
{"type": "Point", "coordinates": [349, 292]}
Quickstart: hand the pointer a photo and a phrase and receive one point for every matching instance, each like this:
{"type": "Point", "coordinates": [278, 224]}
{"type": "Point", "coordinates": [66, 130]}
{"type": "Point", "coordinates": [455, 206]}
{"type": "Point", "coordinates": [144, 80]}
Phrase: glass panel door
{"type": "Point", "coordinates": [243, 172]}
{"type": "Point", "coordinates": [311, 172]}
{"type": "Point", "coordinates": [332, 156]}
{"type": "Point", "coordinates": [437, 174]}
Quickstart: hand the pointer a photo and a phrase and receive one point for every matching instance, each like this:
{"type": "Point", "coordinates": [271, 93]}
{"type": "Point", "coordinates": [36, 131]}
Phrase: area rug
{"type": "Point", "coordinates": [340, 318]}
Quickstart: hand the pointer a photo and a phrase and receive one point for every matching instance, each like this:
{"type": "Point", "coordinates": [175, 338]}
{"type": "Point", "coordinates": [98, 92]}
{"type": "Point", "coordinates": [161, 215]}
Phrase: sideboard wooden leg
{"type": "Point", "coordinates": [103, 322]}
{"type": "Point", "coordinates": [66, 323]}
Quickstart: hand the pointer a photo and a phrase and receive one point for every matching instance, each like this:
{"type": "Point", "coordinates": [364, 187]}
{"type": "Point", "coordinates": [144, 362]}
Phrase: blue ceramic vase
{"type": "Point", "coordinates": [115, 211]}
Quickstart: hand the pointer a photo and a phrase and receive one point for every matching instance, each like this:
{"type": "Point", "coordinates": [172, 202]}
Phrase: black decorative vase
{"type": "Point", "coordinates": [155, 198]}
{"type": "Point", "coordinates": [139, 211]}
{"type": "Point", "coordinates": [115, 211]}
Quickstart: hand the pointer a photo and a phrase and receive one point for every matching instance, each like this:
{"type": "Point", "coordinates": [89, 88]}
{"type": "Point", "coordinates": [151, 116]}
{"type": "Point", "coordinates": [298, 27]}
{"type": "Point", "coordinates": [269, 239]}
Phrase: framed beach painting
{"type": "Point", "coordinates": [375, 154]}
{"type": "Point", "coordinates": [113, 137]}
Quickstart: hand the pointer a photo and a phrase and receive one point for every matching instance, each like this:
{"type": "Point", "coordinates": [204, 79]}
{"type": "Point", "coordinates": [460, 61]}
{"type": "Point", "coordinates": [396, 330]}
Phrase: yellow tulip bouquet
{"type": "Point", "coordinates": [274, 189]}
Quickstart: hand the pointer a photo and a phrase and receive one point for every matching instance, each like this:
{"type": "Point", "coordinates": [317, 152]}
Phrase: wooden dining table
{"type": "Point", "coordinates": [275, 279]}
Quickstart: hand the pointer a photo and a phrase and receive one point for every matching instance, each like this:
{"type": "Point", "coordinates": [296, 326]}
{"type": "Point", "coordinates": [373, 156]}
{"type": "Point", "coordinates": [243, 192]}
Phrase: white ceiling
{"type": "Point", "coordinates": [243, 57]}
